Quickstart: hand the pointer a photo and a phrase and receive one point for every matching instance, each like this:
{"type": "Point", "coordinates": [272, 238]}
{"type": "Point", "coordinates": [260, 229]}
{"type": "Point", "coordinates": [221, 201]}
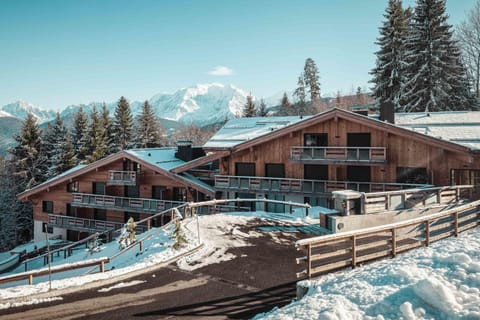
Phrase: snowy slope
{"type": "Point", "coordinates": [201, 104]}
{"type": "Point", "coordinates": [20, 109]}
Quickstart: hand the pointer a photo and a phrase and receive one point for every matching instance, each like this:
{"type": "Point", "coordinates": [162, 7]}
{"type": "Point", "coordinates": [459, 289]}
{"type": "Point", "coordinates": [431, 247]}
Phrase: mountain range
{"type": "Point", "coordinates": [200, 104]}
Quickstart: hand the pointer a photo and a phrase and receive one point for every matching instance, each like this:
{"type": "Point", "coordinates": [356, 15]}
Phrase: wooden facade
{"type": "Point", "coordinates": [409, 157]}
{"type": "Point", "coordinates": [97, 181]}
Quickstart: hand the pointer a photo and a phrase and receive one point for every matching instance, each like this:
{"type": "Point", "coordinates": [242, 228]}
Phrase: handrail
{"type": "Point", "coordinates": [84, 223]}
{"type": "Point", "coordinates": [126, 177]}
{"type": "Point", "coordinates": [344, 249]}
{"type": "Point", "coordinates": [345, 154]}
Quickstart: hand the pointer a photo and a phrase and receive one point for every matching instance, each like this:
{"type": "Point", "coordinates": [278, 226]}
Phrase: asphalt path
{"type": "Point", "coordinates": [261, 277]}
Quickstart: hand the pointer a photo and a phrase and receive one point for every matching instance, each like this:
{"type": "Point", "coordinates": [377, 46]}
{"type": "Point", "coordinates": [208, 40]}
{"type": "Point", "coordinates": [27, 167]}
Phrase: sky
{"type": "Point", "coordinates": [55, 53]}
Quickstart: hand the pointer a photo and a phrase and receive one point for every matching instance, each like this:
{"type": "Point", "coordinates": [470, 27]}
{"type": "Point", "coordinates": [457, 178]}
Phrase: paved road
{"type": "Point", "coordinates": [260, 278]}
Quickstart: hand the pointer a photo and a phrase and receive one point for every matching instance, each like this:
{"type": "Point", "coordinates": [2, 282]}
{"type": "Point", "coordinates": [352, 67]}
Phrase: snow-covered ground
{"type": "Point", "coordinates": [217, 233]}
{"type": "Point", "coordinates": [438, 282]}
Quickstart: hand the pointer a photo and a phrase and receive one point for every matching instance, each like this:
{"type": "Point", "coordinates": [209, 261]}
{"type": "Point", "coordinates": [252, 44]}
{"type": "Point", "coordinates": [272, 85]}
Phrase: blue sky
{"type": "Point", "coordinates": [59, 52]}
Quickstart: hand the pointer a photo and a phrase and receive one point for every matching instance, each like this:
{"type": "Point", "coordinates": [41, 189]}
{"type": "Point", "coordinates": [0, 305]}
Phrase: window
{"type": "Point", "coordinates": [179, 194]}
{"type": "Point", "coordinates": [412, 175]}
{"type": "Point", "coordinates": [275, 170]}
{"type": "Point", "coordinates": [46, 228]}
{"type": "Point", "coordinates": [98, 188]}
{"type": "Point", "coordinates": [245, 169]}
{"type": "Point", "coordinates": [100, 214]}
{"type": "Point", "coordinates": [72, 186]}
{"type": "Point", "coordinates": [315, 140]}
{"type": "Point", "coordinates": [47, 206]}
{"type": "Point", "coordinates": [315, 172]}
{"type": "Point", "coordinates": [157, 192]}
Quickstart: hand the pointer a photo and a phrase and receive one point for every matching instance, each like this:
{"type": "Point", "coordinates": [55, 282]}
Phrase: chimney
{"type": "Point", "coordinates": [387, 112]}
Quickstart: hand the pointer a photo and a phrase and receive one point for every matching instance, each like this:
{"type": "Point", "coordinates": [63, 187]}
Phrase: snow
{"type": "Point", "coordinates": [4, 114]}
{"type": "Point", "coordinates": [437, 282]}
{"type": "Point", "coordinates": [122, 285]}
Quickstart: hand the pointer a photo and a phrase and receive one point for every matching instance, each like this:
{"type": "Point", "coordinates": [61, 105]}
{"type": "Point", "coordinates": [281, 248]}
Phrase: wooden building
{"type": "Point", "coordinates": [304, 159]}
{"type": "Point", "coordinates": [104, 194]}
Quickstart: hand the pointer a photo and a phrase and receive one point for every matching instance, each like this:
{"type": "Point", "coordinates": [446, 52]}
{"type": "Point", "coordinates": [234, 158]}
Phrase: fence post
{"type": "Point", "coordinates": [455, 222]}
{"type": "Point", "coordinates": [309, 261]}
{"type": "Point", "coordinates": [30, 279]}
{"type": "Point", "coordinates": [427, 233]}
{"type": "Point", "coordinates": [394, 243]}
{"type": "Point", "coordinates": [102, 266]}
{"type": "Point", "coordinates": [140, 245]}
{"type": "Point", "coordinates": [354, 251]}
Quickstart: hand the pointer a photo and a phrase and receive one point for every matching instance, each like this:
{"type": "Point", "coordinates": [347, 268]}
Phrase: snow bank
{"type": "Point", "coordinates": [438, 282]}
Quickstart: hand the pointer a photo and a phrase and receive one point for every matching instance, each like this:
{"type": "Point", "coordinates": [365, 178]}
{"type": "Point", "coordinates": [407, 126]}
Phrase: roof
{"type": "Point", "coordinates": [239, 130]}
{"type": "Point", "coordinates": [461, 127]}
{"type": "Point", "coordinates": [458, 131]}
{"type": "Point", "coordinates": [159, 159]}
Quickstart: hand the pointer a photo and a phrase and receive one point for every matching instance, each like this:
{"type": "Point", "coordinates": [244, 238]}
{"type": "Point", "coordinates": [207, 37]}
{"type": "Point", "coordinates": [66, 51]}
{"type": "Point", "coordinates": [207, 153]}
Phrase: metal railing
{"type": "Point", "coordinates": [81, 224]}
{"type": "Point", "coordinates": [348, 249]}
{"type": "Point", "coordinates": [304, 186]}
{"type": "Point", "coordinates": [141, 205]}
{"type": "Point", "coordinates": [357, 155]}
{"type": "Point", "coordinates": [122, 178]}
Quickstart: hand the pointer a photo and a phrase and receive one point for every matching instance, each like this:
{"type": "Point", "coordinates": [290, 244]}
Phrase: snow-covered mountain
{"type": "Point", "coordinates": [201, 104]}
{"type": "Point", "coordinates": [20, 110]}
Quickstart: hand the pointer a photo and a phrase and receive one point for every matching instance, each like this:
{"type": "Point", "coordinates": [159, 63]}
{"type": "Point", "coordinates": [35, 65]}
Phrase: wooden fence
{"type": "Point", "coordinates": [348, 249]}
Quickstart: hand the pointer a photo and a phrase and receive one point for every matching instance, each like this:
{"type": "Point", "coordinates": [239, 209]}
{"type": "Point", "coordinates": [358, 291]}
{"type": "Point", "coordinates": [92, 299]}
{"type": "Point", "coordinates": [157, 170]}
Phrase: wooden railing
{"type": "Point", "coordinates": [414, 198]}
{"type": "Point", "coordinates": [121, 203]}
{"type": "Point", "coordinates": [304, 186]}
{"type": "Point", "coordinates": [56, 269]}
{"type": "Point", "coordinates": [339, 155]}
{"type": "Point", "coordinates": [348, 249]}
{"type": "Point", "coordinates": [81, 224]}
{"type": "Point", "coordinates": [122, 178]}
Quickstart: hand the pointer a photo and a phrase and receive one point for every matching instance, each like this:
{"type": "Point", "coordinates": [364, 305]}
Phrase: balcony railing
{"type": "Point", "coordinates": [339, 155]}
{"type": "Point", "coordinates": [81, 224]}
{"type": "Point", "coordinates": [122, 178]}
{"type": "Point", "coordinates": [122, 204]}
{"type": "Point", "coordinates": [284, 185]}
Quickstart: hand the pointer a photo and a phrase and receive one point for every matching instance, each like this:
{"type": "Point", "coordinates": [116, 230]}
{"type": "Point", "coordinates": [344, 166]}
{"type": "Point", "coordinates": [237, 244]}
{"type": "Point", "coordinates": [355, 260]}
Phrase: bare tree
{"type": "Point", "coordinates": [468, 35]}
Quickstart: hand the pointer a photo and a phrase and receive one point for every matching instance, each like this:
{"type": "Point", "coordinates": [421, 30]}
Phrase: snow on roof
{"type": "Point", "coordinates": [461, 127]}
{"type": "Point", "coordinates": [69, 171]}
{"type": "Point", "coordinates": [163, 158]}
{"type": "Point", "coordinates": [239, 130]}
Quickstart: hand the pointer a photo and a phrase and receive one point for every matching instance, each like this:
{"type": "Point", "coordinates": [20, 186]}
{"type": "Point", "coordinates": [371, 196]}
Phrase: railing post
{"type": "Point", "coordinates": [455, 222]}
{"type": "Point", "coordinates": [427, 233]}
{"type": "Point", "coordinates": [354, 251]}
{"type": "Point", "coordinates": [309, 260]}
{"type": "Point", "coordinates": [30, 279]}
{"type": "Point", "coordinates": [394, 243]}
{"type": "Point", "coordinates": [102, 266]}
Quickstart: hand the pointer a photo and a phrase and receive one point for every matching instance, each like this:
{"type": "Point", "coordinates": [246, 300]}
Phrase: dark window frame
{"type": "Point", "coordinates": [47, 206]}
{"type": "Point", "coordinates": [73, 186]}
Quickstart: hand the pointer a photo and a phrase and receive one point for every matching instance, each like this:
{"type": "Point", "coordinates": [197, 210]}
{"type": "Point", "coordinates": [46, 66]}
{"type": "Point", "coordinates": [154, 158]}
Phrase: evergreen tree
{"type": "Point", "coordinates": [107, 124]}
{"type": "Point", "coordinates": [312, 80]}
{"type": "Point", "coordinates": [435, 78]}
{"type": "Point", "coordinates": [262, 109]}
{"type": "Point", "coordinates": [53, 145]}
{"type": "Point", "coordinates": [98, 145]}
{"type": "Point", "coordinates": [286, 108]}
{"type": "Point", "coordinates": [27, 155]}
{"type": "Point", "coordinates": [389, 70]}
{"type": "Point", "coordinates": [122, 125]}
{"type": "Point", "coordinates": [149, 132]}
{"type": "Point", "coordinates": [249, 109]}
{"type": "Point", "coordinates": [67, 158]}
{"type": "Point", "coordinates": [80, 134]}
{"type": "Point", "coordinates": [300, 95]}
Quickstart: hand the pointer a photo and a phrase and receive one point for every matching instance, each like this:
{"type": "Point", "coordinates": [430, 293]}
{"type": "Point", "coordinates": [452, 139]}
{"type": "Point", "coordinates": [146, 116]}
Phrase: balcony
{"type": "Point", "coordinates": [339, 155]}
{"type": "Point", "coordinates": [122, 204]}
{"type": "Point", "coordinates": [302, 186]}
{"type": "Point", "coordinates": [122, 178]}
{"type": "Point", "coordinates": [81, 224]}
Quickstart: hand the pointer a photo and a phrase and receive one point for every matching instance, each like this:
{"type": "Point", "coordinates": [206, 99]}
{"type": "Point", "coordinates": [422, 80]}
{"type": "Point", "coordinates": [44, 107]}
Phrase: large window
{"type": "Point", "coordinates": [47, 206]}
{"type": "Point", "coordinates": [412, 175]}
{"type": "Point", "coordinates": [245, 169]}
{"type": "Point", "coordinates": [315, 140]}
{"type": "Point", "coordinates": [275, 170]}
{"type": "Point", "coordinates": [100, 214]}
{"type": "Point", "coordinates": [157, 192]}
{"type": "Point", "coordinates": [315, 172]}
{"type": "Point", "coordinates": [98, 188]}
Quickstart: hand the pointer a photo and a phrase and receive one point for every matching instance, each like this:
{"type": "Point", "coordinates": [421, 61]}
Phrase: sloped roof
{"type": "Point", "coordinates": [461, 127]}
{"type": "Point", "coordinates": [235, 139]}
{"type": "Point", "coordinates": [239, 130]}
{"type": "Point", "coordinates": [163, 158]}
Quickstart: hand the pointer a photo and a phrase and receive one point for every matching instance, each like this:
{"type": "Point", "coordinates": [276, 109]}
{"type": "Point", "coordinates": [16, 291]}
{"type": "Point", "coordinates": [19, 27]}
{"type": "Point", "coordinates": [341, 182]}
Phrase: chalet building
{"type": "Point", "coordinates": [104, 194]}
{"type": "Point", "coordinates": [304, 159]}
{"type": "Point", "coordinates": [298, 159]}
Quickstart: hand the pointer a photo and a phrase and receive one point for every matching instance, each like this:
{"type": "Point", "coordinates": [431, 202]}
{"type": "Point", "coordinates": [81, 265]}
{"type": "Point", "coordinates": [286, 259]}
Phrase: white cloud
{"type": "Point", "coordinates": [221, 71]}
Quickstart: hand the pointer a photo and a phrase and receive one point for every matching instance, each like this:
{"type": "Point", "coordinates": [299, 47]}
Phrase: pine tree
{"type": "Point", "coordinates": [98, 145]}
{"type": "Point", "coordinates": [300, 95]}
{"type": "Point", "coordinates": [262, 109]}
{"type": "Point", "coordinates": [249, 109]}
{"type": "Point", "coordinates": [149, 132]}
{"type": "Point", "coordinates": [286, 108]}
{"type": "Point", "coordinates": [80, 134]}
{"type": "Point", "coordinates": [123, 124]}
{"type": "Point", "coordinates": [67, 158]}
{"type": "Point", "coordinates": [107, 124]}
{"type": "Point", "coordinates": [53, 145]}
{"type": "Point", "coordinates": [27, 154]}
{"type": "Point", "coordinates": [389, 70]}
{"type": "Point", "coordinates": [312, 80]}
{"type": "Point", "coordinates": [435, 78]}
